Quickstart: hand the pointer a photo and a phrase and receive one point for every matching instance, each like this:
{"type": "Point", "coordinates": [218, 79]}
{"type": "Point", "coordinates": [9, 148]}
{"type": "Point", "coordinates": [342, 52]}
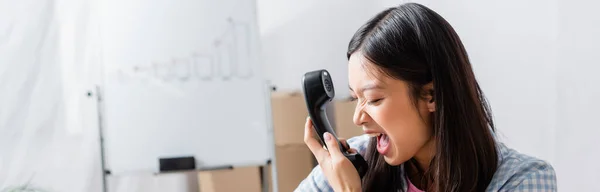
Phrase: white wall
{"type": "Point", "coordinates": [47, 135]}
{"type": "Point", "coordinates": [576, 153]}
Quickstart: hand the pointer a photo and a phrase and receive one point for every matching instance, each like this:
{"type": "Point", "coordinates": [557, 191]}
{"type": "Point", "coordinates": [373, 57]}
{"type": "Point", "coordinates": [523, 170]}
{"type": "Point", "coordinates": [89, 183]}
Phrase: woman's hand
{"type": "Point", "coordinates": [340, 173]}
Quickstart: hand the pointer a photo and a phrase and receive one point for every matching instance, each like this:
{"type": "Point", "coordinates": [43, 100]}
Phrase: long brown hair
{"type": "Point", "coordinates": [413, 43]}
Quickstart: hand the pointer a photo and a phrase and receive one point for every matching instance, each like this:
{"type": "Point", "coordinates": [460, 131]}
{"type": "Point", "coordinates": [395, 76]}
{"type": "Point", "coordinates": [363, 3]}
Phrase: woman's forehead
{"type": "Point", "coordinates": [361, 68]}
{"type": "Point", "coordinates": [363, 74]}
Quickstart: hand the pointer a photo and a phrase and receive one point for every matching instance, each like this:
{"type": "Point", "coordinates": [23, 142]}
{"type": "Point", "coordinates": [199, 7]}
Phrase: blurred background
{"type": "Point", "coordinates": [94, 93]}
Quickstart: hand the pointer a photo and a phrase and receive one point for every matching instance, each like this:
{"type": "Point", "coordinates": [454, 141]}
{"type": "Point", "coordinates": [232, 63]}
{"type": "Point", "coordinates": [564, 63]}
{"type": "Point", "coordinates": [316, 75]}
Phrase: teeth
{"type": "Point", "coordinates": [374, 134]}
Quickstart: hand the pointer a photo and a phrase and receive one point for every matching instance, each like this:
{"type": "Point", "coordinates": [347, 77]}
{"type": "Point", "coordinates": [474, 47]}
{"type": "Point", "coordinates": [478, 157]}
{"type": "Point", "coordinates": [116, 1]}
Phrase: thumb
{"type": "Point", "coordinates": [332, 145]}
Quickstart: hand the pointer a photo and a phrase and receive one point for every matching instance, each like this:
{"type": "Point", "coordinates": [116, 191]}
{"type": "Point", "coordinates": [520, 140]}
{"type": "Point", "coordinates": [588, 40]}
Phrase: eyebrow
{"type": "Point", "coordinates": [367, 87]}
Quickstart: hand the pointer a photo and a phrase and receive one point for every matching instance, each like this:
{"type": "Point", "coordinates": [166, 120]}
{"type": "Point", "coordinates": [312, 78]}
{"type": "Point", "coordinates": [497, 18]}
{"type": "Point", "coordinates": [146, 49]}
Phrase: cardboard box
{"type": "Point", "coordinates": [294, 163]}
{"type": "Point", "coordinates": [344, 113]}
{"type": "Point", "coordinates": [289, 114]}
{"type": "Point", "coordinates": [231, 180]}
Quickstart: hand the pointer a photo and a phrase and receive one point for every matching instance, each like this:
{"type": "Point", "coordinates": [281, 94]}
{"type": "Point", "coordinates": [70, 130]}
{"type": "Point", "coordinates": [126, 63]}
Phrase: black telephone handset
{"type": "Point", "coordinates": [318, 91]}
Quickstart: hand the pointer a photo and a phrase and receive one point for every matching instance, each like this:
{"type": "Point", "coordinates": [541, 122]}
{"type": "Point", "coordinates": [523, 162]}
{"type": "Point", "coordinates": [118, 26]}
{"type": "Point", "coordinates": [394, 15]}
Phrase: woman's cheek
{"type": "Point", "coordinates": [400, 147]}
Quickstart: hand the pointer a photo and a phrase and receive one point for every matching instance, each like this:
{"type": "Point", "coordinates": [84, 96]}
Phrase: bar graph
{"type": "Point", "coordinates": [229, 58]}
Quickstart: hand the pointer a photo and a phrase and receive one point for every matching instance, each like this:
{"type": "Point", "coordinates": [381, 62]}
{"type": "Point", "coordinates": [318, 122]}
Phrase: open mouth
{"type": "Point", "coordinates": [383, 144]}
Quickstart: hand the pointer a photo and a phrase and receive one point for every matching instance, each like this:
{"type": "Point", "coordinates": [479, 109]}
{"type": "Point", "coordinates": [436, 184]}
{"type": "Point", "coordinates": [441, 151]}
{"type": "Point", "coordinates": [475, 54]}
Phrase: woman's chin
{"type": "Point", "coordinates": [394, 158]}
{"type": "Point", "coordinates": [393, 161]}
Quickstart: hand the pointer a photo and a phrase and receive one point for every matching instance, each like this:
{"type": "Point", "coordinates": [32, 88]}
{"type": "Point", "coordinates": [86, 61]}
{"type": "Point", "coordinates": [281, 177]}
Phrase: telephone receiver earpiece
{"type": "Point", "coordinates": [318, 92]}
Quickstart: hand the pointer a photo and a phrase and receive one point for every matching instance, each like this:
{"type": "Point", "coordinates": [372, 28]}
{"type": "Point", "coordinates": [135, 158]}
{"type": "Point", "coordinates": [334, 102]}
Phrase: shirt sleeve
{"type": "Point", "coordinates": [317, 182]}
{"type": "Point", "coordinates": [541, 179]}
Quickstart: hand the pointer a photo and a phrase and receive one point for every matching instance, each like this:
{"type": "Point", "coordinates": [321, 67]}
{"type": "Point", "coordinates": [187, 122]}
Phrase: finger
{"type": "Point", "coordinates": [352, 151]}
{"type": "Point", "coordinates": [315, 147]}
{"type": "Point", "coordinates": [332, 145]}
{"type": "Point", "coordinates": [309, 125]}
{"type": "Point", "coordinates": [343, 141]}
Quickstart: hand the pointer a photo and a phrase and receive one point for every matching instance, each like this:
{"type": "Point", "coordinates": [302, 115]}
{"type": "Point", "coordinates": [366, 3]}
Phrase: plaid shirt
{"type": "Point", "coordinates": [516, 172]}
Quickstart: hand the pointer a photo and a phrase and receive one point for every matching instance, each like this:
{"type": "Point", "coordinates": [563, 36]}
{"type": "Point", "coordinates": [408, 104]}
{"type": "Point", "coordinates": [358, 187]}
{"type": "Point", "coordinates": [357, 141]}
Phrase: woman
{"type": "Point", "coordinates": [427, 124]}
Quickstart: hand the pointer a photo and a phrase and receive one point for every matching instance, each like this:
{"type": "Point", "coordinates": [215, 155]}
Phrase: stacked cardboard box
{"type": "Point", "coordinates": [344, 112]}
{"type": "Point", "coordinates": [230, 180]}
{"type": "Point", "coordinates": [294, 161]}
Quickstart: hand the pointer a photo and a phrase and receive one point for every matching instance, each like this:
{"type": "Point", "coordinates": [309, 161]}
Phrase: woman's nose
{"type": "Point", "coordinates": [360, 116]}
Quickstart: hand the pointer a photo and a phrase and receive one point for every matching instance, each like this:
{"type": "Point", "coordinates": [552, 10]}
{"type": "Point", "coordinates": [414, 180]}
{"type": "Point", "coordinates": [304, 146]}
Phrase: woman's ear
{"type": "Point", "coordinates": [429, 96]}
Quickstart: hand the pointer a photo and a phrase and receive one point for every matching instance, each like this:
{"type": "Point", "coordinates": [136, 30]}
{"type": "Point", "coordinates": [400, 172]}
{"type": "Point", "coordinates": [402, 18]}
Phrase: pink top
{"type": "Point", "coordinates": [411, 187]}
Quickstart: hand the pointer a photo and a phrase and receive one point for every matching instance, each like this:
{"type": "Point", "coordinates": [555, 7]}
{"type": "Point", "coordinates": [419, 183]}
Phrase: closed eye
{"type": "Point", "coordinates": [374, 101]}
